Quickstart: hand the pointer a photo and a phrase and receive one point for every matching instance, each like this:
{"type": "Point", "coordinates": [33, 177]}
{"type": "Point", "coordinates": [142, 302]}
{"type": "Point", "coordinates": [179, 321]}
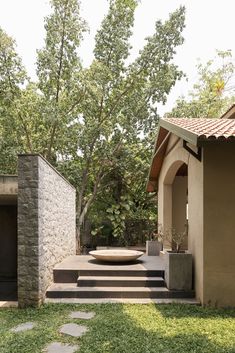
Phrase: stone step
{"type": "Point", "coordinates": [65, 275]}
{"type": "Point", "coordinates": [71, 275]}
{"type": "Point", "coordinates": [70, 290]}
{"type": "Point", "coordinates": [120, 281]}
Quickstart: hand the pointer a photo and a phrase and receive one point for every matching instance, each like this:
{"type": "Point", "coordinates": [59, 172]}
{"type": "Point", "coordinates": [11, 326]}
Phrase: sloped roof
{"type": "Point", "coordinates": [197, 132]}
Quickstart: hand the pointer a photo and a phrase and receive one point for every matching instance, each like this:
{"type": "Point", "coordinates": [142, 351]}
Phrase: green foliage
{"type": "Point", "coordinates": [213, 94]}
{"type": "Point", "coordinates": [58, 68]}
{"type": "Point", "coordinates": [95, 124]}
{"type": "Point", "coordinates": [118, 213]}
{"type": "Point", "coordinates": [123, 328]}
{"type": "Point", "coordinates": [117, 116]}
{"type": "Point", "coordinates": [12, 77]}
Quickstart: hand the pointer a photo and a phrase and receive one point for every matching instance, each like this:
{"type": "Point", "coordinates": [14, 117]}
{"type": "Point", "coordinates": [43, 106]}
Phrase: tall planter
{"type": "Point", "coordinates": [178, 270]}
{"type": "Point", "coordinates": [153, 247]}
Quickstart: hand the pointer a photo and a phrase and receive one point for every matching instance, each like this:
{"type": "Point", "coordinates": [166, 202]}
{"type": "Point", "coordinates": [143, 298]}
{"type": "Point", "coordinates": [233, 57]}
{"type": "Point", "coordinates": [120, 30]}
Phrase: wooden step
{"type": "Point", "coordinates": [120, 281]}
{"type": "Point", "coordinates": [71, 290]}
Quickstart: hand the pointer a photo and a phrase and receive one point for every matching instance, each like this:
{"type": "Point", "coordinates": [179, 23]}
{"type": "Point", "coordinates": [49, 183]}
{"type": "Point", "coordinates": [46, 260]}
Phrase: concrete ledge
{"type": "Point", "coordinates": [122, 300]}
{"type": "Point", "coordinates": [8, 185]}
{"type": "Point", "coordinates": [8, 304]}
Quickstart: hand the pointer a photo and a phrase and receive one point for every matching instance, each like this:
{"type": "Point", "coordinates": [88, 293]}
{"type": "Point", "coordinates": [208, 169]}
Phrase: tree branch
{"type": "Point", "coordinates": [54, 127]}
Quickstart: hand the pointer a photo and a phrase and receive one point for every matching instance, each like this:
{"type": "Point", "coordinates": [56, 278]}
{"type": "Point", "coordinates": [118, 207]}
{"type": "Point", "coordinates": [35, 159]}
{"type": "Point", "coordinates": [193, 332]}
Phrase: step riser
{"type": "Point", "coordinates": [134, 295]}
{"type": "Point", "coordinates": [121, 273]}
{"type": "Point", "coordinates": [123, 283]}
{"type": "Point", "coordinates": [65, 276]}
{"type": "Point", "coordinates": [71, 276]}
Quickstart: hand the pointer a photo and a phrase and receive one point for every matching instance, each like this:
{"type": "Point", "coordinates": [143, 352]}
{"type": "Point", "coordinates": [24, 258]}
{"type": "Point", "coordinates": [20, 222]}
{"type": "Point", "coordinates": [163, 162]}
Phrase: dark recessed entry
{"type": "Point", "coordinates": [8, 252]}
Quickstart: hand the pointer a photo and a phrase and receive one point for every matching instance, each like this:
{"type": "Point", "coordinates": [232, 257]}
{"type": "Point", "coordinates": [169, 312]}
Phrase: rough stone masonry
{"type": "Point", "coordinates": [46, 226]}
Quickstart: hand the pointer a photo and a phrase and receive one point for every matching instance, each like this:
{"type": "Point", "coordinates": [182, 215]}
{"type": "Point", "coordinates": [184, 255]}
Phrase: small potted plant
{"type": "Point", "coordinates": [154, 244]}
{"type": "Point", "coordinates": [178, 262]}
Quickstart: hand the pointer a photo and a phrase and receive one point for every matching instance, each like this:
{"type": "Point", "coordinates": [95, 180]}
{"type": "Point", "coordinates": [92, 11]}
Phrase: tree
{"type": "Point", "coordinates": [119, 106]}
{"type": "Point", "coordinates": [34, 116]}
{"type": "Point", "coordinates": [96, 124]}
{"type": "Point", "coordinates": [58, 68]}
{"type": "Point", "coordinates": [12, 77]}
{"type": "Point", "coordinates": [213, 94]}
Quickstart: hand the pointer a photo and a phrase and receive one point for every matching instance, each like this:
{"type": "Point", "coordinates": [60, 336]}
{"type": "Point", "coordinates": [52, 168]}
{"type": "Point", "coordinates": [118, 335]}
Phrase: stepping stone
{"type": "Point", "coordinates": [73, 330]}
{"type": "Point", "coordinates": [81, 315]}
{"type": "Point", "coordinates": [57, 347]}
{"type": "Point", "coordinates": [24, 327]}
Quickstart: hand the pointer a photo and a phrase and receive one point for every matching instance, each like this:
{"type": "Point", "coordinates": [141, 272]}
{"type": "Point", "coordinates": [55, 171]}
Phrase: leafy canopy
{"type": "Point", "coordinates": [214, 92]}
{"type": "Point", "coordinates": [95, 124]}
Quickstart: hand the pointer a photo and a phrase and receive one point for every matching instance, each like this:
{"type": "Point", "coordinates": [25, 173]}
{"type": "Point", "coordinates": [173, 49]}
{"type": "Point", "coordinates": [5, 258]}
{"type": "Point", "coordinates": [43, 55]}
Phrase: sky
{"type": "Point", "coordinates": [209, 26]}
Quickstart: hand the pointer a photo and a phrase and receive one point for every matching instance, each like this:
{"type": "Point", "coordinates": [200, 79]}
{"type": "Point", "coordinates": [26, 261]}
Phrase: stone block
{"type": "Point", "coordinates": [73, 330]}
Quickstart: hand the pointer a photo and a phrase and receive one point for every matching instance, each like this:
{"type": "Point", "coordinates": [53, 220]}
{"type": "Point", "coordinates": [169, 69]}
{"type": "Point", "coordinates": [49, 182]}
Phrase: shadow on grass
{"type": "Point", "coordinates": [194, 311]}
{"type": "Point", "coordinates": [145, 329]}
{"type": "Point", "coordinates": [123, 328]}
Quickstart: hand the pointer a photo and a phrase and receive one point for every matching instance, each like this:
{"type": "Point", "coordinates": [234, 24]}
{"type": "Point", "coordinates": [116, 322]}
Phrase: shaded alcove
{"type": "Point", "coordinates": [180, 200]}
{"type": "Point", "coordinates": [8, 248]}
{"type": "Point", "coordinates": [175, 199]}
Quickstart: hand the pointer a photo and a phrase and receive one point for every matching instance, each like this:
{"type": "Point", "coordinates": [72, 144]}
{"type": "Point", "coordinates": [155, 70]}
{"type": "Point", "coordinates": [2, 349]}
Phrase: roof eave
{"type": "Point", "coordinates": [152, 182]}
{"type": "Point", "coordinates": [181, 132]}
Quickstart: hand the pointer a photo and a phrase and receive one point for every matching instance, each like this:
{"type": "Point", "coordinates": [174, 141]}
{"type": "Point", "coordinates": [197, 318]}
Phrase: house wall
{"type": "Point", "coordinates": [46, 226]}
{"type": "Point", "coordinates": [219, 224]}
{"type": "Point", "coordinates": [211, 205]}
{"type": "Point", "coordinates": [172, 161]}
{"type": "Point", "coordinates": [195, 222]}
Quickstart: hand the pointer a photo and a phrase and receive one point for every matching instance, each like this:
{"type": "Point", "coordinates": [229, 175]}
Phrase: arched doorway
{"type": "Point", "coordinates": [175, 200]}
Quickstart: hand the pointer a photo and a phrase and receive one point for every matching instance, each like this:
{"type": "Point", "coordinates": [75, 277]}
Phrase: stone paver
{"type": "Point", "coordinates": [57, 347]}
{"type": "Point", "coordinates": [73, 330]}
{"type": "Point", "coordinates": [24, 327]}
{"type": "Point", "coordinates": [82, 315]}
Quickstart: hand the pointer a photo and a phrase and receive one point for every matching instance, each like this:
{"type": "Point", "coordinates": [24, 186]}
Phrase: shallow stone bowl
{"type": "Point", "coordinates": [116, 255]}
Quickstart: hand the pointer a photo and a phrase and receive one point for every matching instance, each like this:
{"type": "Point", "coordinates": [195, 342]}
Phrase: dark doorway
{"type": "Point", "coordinates": [8, 252]}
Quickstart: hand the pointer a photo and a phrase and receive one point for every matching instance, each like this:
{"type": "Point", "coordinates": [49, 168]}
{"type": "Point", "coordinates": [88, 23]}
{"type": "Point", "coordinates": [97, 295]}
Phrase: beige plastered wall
{"type": "Point", "coordinates": [219, 224]}
{"type": "Point", "coordinates": [175, 156]}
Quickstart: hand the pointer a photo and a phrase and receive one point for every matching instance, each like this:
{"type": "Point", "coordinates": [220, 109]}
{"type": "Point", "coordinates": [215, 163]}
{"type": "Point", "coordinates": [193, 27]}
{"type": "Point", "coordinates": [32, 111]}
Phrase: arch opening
{"type": "Point", "coordinates": [175, 202]}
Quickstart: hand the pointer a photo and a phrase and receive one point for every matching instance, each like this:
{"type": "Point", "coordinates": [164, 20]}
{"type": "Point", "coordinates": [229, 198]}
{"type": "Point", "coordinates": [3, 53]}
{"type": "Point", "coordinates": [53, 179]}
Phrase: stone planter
{"type": "Point", "coordinates": [178, 270]}
{"type": "Point", "coordinates": [153, 247]}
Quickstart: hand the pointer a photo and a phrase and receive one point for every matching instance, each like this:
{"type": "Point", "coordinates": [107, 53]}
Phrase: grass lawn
{"type": "Point", "coordinates": [124, 328]}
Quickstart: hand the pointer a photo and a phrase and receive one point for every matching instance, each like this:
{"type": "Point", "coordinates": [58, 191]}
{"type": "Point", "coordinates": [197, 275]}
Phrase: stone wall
{"type": "Point", "coordinates": [56, 213]}
{"type": "Point", "coordinates": [46, 226]}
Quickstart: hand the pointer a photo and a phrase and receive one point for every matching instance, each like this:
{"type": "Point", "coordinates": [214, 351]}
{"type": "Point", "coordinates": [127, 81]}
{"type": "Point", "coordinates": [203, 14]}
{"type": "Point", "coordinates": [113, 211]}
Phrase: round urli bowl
{"type": "Point", "coordinates": [116, 255]}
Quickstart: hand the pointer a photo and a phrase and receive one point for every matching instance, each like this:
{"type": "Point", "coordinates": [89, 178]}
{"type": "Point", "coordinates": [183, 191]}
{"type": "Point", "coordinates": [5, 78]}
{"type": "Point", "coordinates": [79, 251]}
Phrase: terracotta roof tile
{"type": "Point", "coordinates": [219, 129]}
{"type": "Point", "coordinates": [197, 132]}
